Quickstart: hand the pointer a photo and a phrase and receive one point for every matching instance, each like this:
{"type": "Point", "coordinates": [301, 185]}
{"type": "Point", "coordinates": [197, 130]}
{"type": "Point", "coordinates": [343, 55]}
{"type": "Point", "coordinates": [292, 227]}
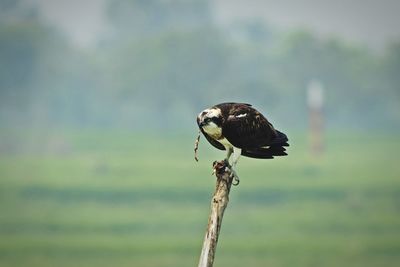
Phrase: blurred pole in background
{"type": "Point", "coordinates": [315, 101]}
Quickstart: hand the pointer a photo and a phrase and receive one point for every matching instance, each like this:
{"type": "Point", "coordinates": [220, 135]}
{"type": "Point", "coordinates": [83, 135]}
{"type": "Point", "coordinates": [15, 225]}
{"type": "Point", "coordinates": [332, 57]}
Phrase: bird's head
{"type": "Point", "coordinates": [210, 119]}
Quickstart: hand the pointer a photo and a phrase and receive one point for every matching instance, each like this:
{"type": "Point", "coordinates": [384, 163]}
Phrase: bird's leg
{"type": "Point", "coordinates": [228, 155]}
{"type": "Point", "coordinates": [226, 159]}
{"type": "Point", "coordinates": [236, 154]}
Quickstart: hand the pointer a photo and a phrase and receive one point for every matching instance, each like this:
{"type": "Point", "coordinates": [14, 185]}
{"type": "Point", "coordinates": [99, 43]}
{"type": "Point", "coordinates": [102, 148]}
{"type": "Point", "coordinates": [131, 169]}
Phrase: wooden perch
{"type": "Point", "coordinates": [219, 202]}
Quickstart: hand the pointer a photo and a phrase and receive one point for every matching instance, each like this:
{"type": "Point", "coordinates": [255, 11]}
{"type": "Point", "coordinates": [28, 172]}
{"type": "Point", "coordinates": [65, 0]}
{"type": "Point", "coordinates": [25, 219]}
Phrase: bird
{"type": "Point", "coordinates": [241, 130]}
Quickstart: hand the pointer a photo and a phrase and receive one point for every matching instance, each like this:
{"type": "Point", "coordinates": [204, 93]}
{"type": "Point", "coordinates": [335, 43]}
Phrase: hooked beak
{"type": "Point", "coordinates": [201, 122]}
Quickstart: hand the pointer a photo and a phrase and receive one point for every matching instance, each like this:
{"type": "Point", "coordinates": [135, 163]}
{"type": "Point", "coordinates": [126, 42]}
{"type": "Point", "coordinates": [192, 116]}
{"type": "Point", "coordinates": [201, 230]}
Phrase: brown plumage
{"type": "Point", "coordinates": [245, 128]}
{"type": "Point", "coordinates": [240, 130]}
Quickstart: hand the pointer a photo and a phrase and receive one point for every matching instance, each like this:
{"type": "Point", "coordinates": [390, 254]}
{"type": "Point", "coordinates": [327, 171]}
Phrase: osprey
{"type": "Point", "coordinates": [241, 130]}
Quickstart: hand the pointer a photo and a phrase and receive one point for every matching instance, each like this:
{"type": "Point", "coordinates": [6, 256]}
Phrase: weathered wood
{"type": "Point", "coordinates": [219, 202]}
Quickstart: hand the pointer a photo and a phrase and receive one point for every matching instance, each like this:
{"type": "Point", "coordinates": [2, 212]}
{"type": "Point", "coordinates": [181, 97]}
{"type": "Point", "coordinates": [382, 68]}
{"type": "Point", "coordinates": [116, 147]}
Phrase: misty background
{"type": "Point", "coordinates": [155, 64]}
{"type": "Point", "coordinates": [98, 106]}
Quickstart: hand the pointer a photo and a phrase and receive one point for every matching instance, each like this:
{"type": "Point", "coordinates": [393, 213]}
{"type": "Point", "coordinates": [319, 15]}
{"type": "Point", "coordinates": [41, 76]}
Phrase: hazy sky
{"type": "Point", "coordinates": [84, 20]}
{"type": "Point", "coordinates": [373, 22]}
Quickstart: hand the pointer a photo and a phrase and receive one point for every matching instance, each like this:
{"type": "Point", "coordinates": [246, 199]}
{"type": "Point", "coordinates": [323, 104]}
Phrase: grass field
{"type": "Point", "coordinates": [126, 199]}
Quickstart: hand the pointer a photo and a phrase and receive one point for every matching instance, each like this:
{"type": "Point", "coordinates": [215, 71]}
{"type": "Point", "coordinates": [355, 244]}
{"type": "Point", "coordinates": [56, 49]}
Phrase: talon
{"type": "Point", "coordinates": [235, 177]}
{"type": "Point", "coordinates": [226, 161]}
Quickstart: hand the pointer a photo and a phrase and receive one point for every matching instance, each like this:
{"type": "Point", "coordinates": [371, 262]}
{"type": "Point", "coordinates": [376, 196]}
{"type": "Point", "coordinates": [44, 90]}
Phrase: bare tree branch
{"type": "Point", "coordinates": [219, 202]}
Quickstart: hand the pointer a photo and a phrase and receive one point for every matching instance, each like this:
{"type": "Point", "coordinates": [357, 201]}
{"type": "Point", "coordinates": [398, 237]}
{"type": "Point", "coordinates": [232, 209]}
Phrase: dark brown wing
{"type": "Point", "coordinates": [244, 127]}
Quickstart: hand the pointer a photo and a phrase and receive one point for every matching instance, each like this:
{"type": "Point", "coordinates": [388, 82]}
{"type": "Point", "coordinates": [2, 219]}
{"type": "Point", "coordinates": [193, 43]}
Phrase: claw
{"type": "Point", "coordinates": [235, 177]}
{"type": "Point", "coordinates": [227, 162]}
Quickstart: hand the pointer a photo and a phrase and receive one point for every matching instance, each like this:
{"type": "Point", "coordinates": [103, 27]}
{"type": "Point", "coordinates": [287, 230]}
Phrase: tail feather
{"type": "Point", "coordinates": [276, 148]}
{"type": "Point", "coordinates": [281, 139]}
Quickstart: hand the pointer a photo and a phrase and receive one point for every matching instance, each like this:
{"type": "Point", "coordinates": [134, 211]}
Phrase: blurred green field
{"type": "Point", "coordinates": [126, 199]}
